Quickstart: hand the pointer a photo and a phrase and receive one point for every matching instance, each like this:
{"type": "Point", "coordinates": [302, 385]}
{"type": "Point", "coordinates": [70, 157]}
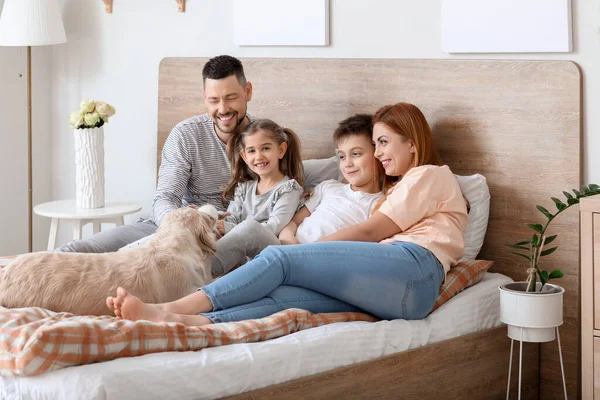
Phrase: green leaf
{"type": "Point", "coordinates": [544, 277]}
{"type": "Point", "coordinates": [577, 193]}
{"type": "Point", "coordinates": [585, 189]}
{"type": "Point", "coordinates": [545, 212]}
{"type": "Point", "coordinates": [534, 240]}
{"type": "Point", "coordinates": [556, 274]}
{"type": "Point", "coordinates": [522, 255]}
{"type": "Point", "coordinates": [548, 251]}
{"type": "Point", "coordinates": [536, 227]}
{"type": "Point", "coordinates": [594, 187]}
{"type": "Point", "coordinates": [523, 242]}
{"type": "Point", "coordinates": [559, 204]}
{"type": "Point", "coordinates": [572, 201]}
{"type": "Point", "coordinates": [550, 239]}
{"type": "Point", "coordinates": [568, 195]}
{"type": "Point", "coordinates": [514, 246]}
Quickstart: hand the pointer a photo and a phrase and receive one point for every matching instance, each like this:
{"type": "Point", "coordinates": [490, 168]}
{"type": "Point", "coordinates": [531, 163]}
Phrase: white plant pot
{"type": "Point", "coordinates": [531, 316]}
{"type": "Point", "coordinates": [89, 167]}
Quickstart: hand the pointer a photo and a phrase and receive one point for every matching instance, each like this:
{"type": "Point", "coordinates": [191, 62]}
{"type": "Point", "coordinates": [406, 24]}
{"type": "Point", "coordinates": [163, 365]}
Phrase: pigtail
{"type": "Point", "coordinates": [239, 169]}
{"type": "Point", "coordinates": [291, 163]}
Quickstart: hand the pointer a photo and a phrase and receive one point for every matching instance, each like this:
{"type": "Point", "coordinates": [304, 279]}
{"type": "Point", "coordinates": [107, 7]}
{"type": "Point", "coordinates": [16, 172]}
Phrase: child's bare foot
{"type": "Point", "coordinates": [132, 308]}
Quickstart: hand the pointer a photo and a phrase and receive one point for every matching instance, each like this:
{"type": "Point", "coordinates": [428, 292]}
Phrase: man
{"type": "Point", "coordinates": [194, 164]}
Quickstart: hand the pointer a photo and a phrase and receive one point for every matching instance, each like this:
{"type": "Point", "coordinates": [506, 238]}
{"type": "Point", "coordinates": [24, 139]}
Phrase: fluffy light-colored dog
{"type": "Point", "coordinates": [175, 263]}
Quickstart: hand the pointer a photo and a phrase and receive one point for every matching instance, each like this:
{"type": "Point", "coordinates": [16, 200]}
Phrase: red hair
{"type": "Point", "coordinates": [408, 121]}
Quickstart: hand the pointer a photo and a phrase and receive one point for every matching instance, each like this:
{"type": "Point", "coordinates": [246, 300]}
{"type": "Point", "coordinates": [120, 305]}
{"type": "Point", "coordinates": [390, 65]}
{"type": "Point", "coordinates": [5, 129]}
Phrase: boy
{"type": "Point", "coordinates": [335, 205]}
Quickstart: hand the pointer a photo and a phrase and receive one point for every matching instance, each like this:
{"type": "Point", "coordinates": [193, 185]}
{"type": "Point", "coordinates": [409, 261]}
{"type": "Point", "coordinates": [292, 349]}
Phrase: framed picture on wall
{"type": "Point", "coordinates": [281, 23]}
{"type": "Point", "coordinates": [506, 26]}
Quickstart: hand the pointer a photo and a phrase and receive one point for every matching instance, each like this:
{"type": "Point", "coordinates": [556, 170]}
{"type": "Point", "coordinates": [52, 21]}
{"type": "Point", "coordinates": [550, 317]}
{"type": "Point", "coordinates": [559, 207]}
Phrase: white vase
{"type": "Point", "coordinates": [531, 316]}
{"type": "Point", "coordinates": [89, 167]}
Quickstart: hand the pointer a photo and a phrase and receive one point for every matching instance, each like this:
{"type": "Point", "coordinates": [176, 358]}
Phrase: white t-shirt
{"type": "Point", "coordinates": [334, 206]}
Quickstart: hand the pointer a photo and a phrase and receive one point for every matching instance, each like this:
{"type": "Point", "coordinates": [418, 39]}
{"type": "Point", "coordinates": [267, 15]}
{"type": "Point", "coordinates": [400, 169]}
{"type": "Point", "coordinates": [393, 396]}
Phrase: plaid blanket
{"type": "Point", "coordinates": [34, 340]}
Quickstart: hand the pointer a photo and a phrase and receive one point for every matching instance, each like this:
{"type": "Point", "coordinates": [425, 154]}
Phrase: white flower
{"type": "Point", "coordinates": [76, 119]}
{"type": "Point", "coordinates": [91, 119]}
{"type": "Point", "coordinates": [91, 114]}
{"type": "Point", "coordinates": [105, 110]}
{"type": "Point", "coordinates": [87, 106]}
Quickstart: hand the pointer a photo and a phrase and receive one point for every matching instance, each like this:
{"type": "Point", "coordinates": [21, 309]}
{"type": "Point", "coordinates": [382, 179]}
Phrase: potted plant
{"type": "Point", "coordinates": [534, 308]}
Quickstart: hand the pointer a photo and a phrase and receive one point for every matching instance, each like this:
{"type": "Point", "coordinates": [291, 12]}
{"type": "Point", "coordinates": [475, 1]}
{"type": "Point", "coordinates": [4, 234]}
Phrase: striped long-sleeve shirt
{"type": "Point", "coordinates": [194, 168]}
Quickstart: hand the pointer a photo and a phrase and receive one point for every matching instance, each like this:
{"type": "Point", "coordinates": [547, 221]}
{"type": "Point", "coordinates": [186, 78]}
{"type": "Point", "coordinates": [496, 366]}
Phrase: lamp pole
{"type": "Point", "coordinates": [29, 152]}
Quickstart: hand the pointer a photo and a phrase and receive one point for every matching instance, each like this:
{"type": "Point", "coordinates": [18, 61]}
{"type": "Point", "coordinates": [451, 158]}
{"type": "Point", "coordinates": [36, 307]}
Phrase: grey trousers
{"type": "Point", "coordinates": [112, 239]}
{"type": "Point", "coordinates": [245, 240]}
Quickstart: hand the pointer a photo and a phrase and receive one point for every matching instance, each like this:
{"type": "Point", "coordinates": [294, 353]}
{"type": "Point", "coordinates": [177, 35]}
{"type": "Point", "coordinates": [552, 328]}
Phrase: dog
{"type": "Point", "coordinates": [173, 264]}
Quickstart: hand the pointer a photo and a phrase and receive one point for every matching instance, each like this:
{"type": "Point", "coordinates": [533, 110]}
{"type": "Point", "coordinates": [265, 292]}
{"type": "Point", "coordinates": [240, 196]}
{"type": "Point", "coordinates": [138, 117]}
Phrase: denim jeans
{"type": "Point", "coordinates": [390, 281]}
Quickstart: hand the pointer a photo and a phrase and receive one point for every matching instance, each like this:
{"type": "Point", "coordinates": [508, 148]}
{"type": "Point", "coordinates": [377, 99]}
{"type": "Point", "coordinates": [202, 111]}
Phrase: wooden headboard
{"type": "Point", "coordinates": [516, 122]}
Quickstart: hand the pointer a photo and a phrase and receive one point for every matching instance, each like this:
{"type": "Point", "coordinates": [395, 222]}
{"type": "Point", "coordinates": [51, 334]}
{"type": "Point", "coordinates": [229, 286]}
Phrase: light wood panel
{"type": "Point", "coordinates": [516, 122]}
{"type": "Point", "coordinates": [596, 368]}
{"type": "Point", "coordinates": [474, 365]}
{"type": "Point", "coordinates": [596, 269]}
{"type": "Point", "coordinates": [587, 301]}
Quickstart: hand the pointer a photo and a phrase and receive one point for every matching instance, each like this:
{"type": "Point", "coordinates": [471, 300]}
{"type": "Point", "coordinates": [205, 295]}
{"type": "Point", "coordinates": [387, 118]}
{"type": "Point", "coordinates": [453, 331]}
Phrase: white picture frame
{"type": "Point", "coordinates": [281, 22]}
{"type": "Point", "coordinates": [506, 26]}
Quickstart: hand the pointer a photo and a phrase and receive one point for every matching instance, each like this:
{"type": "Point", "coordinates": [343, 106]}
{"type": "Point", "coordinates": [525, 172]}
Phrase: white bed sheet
{"type": "Point", "coordinates": [227, 370]}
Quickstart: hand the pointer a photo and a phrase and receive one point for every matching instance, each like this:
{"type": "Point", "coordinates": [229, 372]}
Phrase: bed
{"type": "Point", "coordinates": [516, 122]}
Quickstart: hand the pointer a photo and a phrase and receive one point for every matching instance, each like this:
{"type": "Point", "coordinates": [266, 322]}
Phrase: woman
{"type": "Point", "coordinates": [390, 266]}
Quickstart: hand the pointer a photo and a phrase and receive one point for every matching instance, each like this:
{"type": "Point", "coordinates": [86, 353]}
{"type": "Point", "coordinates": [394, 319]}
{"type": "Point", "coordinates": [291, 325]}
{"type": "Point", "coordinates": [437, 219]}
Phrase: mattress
{"type": "Point", "coordinates": [227, 370]}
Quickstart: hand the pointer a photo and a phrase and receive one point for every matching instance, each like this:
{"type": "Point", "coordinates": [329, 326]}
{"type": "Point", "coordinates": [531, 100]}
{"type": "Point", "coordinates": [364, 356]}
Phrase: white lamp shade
{"type": "Point", "coordinates": [31, 23]}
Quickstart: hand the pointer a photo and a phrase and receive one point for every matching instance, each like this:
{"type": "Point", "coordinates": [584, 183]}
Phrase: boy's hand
{"type": "Point", "coordinates": [289, 240]}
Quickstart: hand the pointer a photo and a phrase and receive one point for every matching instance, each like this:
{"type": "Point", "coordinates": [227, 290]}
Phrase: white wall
{"type": "Point", "coordinates": [13, 145]}
{"type": "Point", "coordinates": [115, 58]}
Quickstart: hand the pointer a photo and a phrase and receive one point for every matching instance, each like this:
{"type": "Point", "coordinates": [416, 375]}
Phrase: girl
{"type": "Point", "coordinates": [390, 266]}
{"type": "Point", "coordinates": [264, 192]}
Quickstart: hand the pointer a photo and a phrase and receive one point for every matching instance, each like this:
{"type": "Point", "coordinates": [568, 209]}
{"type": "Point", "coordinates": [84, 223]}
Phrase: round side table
{"type": "Point", "coordinates": [112, 212]}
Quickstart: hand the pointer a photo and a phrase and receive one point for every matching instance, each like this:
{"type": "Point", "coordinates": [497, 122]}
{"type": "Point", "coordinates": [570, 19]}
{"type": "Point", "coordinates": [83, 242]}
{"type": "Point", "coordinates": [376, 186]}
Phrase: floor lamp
{"type": "Point", "coordinates": [30, 23]}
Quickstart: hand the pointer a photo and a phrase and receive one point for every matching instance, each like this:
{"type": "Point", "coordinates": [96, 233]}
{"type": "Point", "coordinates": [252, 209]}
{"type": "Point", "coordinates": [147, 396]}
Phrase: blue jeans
{"type": "Point", "coordinates": [390, 281]}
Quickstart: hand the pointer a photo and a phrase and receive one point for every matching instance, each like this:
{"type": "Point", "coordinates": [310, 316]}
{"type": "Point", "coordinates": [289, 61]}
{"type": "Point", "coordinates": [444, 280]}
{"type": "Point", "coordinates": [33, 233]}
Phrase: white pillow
{"type": "Point", "coordinates": [476, 190]}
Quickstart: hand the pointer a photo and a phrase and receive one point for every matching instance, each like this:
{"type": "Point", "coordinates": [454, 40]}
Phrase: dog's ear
{"type": "Point", "coordinates": [205, 234]}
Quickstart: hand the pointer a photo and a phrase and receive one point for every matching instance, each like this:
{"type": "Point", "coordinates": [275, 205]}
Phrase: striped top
{"type": "Point", "coordinates": [194, 168]}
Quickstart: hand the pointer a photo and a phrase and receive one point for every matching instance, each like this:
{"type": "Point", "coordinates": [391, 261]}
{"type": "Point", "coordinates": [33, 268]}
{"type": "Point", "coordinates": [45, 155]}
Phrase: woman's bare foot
{"type": "Point", "coordinates": [127, 306]}
{"type": "Point", "coordinates": [132, 308]}
{"type": "Point", "coordinates": [110, 302]}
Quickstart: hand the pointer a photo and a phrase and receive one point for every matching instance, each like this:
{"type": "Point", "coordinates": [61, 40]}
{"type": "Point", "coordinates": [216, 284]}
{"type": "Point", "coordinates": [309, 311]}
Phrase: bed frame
{"type": "Point", "coordinates": [516, 122]}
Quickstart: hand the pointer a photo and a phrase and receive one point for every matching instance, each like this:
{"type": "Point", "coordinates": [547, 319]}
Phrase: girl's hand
{"type": "Point", "coordinates": [221, 227]}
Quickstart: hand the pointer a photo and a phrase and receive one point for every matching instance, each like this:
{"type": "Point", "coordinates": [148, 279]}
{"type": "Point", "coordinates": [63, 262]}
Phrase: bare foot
{"type": "Point", "coordinates": [132, 308]}
{"type": "Point", "coordinates": [110, 302]}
